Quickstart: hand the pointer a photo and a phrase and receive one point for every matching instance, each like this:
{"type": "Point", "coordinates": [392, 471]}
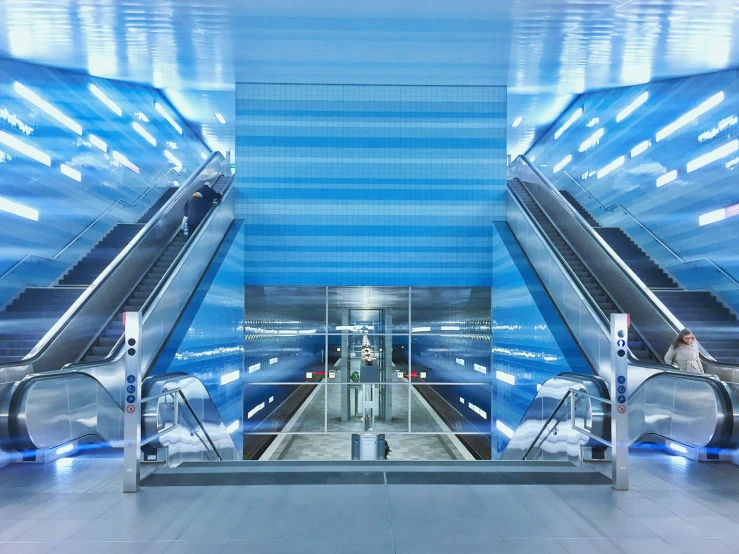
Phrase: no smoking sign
{"type": "Point", "coordinates": [130, 408]}
{"type": "Point", "coordinates": [621, 409]}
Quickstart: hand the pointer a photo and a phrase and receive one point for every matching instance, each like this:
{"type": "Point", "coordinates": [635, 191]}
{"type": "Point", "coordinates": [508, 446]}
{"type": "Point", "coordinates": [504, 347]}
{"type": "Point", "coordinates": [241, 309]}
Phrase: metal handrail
{"type": "Point", "coordinates": [666, 313]}
{"type": "Point", "coordinates": [116, 348]}
{"type": "Point", "coordinates": [590, 304]}
{"type": "Point", "coordinates": [91, 225]}
{"type": "Point", "coordinates": [110, 268]}
{"type": "Point", "coordinates": [174, 393]}
{"type": "Point", "coordinates": [546, 423]}
{"type": "Point", "coordinates": [648, 231]}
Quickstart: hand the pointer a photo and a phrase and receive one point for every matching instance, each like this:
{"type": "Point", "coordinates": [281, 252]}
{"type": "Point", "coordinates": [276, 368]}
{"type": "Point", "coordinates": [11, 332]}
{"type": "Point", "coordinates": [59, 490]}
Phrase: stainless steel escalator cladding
{"type": "Point", "coordinates": [76, 330]}
{"type": "Point", "coordinates": [83, 402]}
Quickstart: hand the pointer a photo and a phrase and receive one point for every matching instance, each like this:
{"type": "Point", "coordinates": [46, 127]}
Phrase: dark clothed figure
{"type": "Point", "coordinates": [198, 206]}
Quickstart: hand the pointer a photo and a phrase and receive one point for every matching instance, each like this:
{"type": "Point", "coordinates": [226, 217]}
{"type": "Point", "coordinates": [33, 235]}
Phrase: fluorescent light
{"type": "Point", "coordinates": [230, 377]}
{"type": "Point", "coordinates": [172, 158]}
{"type": "Point", "coordinates": [221, 119]}
{"type": "Point", "coordinates": [309, 375]}
{"type": "Point", "coordinates": [144, 133]}
{"type": "Point", "coordinates": [683, 120]}
{"type": "Point", "coordinates": [168, 117]}
{"type": "Point", "coordinates": [668, 177]}
{"type": "Point", "coordinates": [639, 148]}
{"type": "Point", "coordinates": [255, 367]}
{"type": "Point", "coordinates": [677, 447]}
{"type": "Point", "coordinates": [567, 159]}
{"type": "Point", "coordinates": [421, 330]}
{"type": "Point", "coordinates": [618, 162]}
{"type": "Point", "coordinates": [592, 140]}
{"type": "Point", "coordinates": [713, 155]}
{"type": "Point", "coordinates": [574, 117]}
{"type": "Point", "coordinates": [517, 121]}
{"type": "Point", "coordinates": [461, 400]}
{"type": "Point", "coordinates": [48, 108]}
{"type": "Point", "coordinates": [254, 410]}
{"type": "Point", "coordinates": [712, 217]}
{"type": "Point", "coordinates": [450, 328]}
{"type": "Point", "coordinates": [505, 377]}
{"type": "Point", "coordinates": [99, 143]}
{"type": "Point", "coordinates": [203, 155]}
{"type": "Point", "coordinates": [64, 449]}
{"type": "Point", "coordinates": [141, 116]}
{"type": "Point", "coordinates": [123, 160]}
{"type": "Point", "coordinates": [71, 173]}
{"type": "Point", "coordinates": [627, 111]}
{"type": "Point", "coordinates": [271, 399]}
{"type": "Point", "coordinates": [100, 95]}
{"type": "Point", "coordinates": [307, 332]}
{"type": "Point", "coordinates": [593, 122]}
{"type": "Point", "coordinates": [233, 427]}
{"type": "Point", "coordinates": [503, 428]}
{"type": "Point", "coordinates": [272, 361]}
{"type": "Point", "coordinates": [25, 149]}
{"type": "Point", "coordinates": [480, 368]}
{"type": "Point", "coordinates": [18, 209]}
{"type": "Point", "coordinates": [460, 361]}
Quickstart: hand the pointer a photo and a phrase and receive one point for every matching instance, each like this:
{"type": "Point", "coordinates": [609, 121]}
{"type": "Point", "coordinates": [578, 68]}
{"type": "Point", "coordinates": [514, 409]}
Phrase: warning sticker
{"type": "Point", "coordinates": [621, 409]}
{"type": "Point", "coordinates": [130, 409]}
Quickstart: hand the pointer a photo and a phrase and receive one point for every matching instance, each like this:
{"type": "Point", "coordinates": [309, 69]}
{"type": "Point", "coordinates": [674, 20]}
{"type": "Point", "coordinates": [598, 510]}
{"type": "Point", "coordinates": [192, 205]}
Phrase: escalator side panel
{"type": "Point", "coordinates": [656, 331]}
{"type": "Point", "coordinates": [583, 322]}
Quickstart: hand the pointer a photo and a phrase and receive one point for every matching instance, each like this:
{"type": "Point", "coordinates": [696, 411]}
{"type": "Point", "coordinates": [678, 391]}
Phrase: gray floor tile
{"type": "Point", "coordinates": [83, 548]}
{"type": "Point", "coordinates": [425, 545]}
{"type": "Point", "coordinates": [680, 504]}
{"type": "Point", "coordinates": [671, 526]}
{"type": "Point", "coordinates": [716, 526]}
{"type": "Point", "coordinates": [105, 530]}
{"type": "Point", "coordinates": [643, 546]}
{"type": "Point", "coordinates": [10, 529]}
{"type": "Point", "coordinates": [619, 524]}
{"type": "Point", "coordinates": [532, 546]}
{"type": "Point", "coordinates": [52, 530]}
{"type": "Point", "coordinates": [139, 547]}
{"type": "Point", "coordinates": [641, 506]}
{"type": "Point", "coordinates": [589, 546]}
{"type": "Point", "coordinates": [28, 548]}
{"type": "Point", "coordinates": [91, 507]}
{"type": "Point", "coordinates": [692, 545]}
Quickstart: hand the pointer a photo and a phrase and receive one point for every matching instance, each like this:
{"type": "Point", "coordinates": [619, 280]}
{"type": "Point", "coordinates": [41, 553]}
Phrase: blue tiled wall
{"type": "Point", "coordinates": [370, 185]}
{"type": "Point", "coordinates": [530, 340]}
{"type": "Point", "coordinates": [208, 341]}
{"type": "Point", "coordinates": [530, 343]}
{"type": "Point", "coordinates": [65, 205]}
{"type": "Point", "coordinates": [672, 211]}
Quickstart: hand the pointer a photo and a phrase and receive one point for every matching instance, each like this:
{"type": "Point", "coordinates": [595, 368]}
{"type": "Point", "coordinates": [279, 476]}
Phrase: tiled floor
{"type": "Point", "coordinates": [338, 447]}
{"type": "Point", "coordinates": [674, 506]}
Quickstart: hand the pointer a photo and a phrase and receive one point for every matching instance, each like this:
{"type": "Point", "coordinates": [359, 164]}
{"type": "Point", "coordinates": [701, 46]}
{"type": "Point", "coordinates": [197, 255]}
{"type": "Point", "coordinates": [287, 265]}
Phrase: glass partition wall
{"type": "Point", "coordinates": [324, 363]}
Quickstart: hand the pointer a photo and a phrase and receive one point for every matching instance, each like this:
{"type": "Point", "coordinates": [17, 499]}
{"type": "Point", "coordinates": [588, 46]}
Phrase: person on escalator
{"type": "Point", "coordinates": [198, 206]}
{"type": "Point", "coordinates": [685, 352]}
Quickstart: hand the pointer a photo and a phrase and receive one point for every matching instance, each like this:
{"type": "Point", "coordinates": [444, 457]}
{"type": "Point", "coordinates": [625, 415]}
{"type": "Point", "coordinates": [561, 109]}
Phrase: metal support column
{"type": "Point", "coordinates": [132, 404]}
{"type": "Point", "coordinates": [619, 402]}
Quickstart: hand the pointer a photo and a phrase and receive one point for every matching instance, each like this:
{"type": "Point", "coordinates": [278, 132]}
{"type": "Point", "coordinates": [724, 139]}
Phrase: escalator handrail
{"type": "Point", "coordinates": [677, 256]}
{"type": "Point", "coordinates": [110, 208]}
{"type": "Point", "coordinates": [600, 318]}
{"type": "Point", "coordinates": [667, 315]}
{"type": "Point", "coordinates": [112, 266]}
{"type": "Point", "coordinates": [116, 352]}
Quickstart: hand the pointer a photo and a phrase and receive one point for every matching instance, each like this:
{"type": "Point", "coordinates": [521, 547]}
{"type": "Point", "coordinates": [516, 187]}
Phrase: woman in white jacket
{"type": "Point", "coordinates": [684, 352]}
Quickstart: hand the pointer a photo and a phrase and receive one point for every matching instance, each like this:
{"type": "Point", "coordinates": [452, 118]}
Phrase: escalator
{"type": "Point", "coordinates": [587, 281]}
{"type": "Point", "coordinates": [71, 389]}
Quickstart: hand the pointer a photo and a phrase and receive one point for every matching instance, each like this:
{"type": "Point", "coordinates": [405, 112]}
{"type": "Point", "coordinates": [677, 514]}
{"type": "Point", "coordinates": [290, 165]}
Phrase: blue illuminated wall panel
{"type": "Point", "coordinates": [370, 185]}
{"type": "Point", "coordinates": [673, 150]}
{"type": "Point", "coordinates": [67, 180]}
{"type": "Point", "coordinates": [208, 341]}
